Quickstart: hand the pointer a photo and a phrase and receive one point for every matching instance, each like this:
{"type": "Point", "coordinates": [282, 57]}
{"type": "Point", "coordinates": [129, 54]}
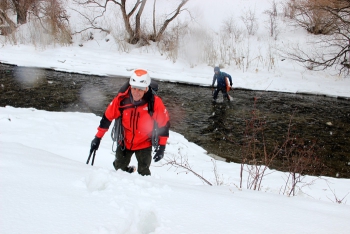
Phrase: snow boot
{"type": "Point", "coordinates": [131, 169]}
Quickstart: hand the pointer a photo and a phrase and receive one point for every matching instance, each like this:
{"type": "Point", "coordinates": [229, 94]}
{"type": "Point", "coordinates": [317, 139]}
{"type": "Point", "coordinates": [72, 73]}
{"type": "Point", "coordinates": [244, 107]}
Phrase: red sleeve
{"type": "Point", "coordinates": [112, 112]}
{"type": "Point", "coordinates": [161, 115]}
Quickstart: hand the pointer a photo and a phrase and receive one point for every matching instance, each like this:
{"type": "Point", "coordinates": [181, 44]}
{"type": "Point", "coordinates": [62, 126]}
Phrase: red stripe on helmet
{"type": "Point", "coordinates": [140, 72]}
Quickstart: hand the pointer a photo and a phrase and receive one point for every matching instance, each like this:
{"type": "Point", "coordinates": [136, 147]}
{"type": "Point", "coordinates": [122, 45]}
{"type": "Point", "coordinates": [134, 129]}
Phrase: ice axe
{"type": "Point", "coordinates": [93, 157]}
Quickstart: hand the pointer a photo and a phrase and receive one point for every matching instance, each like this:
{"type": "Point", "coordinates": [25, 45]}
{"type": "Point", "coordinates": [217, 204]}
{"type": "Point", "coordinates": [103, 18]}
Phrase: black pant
{"type": "Point", "coordinates": [143, 156]}
{"type": "Point", "coordinates": [217, 90]}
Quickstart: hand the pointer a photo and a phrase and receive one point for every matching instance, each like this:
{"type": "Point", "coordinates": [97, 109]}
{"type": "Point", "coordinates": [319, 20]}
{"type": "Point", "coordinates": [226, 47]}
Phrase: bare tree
{"type": "Point", "coordinates": [7, 25]}
{"type": "Point", "coordinates": [53, 18]}
{"type": "Point", "coordinates": [300, 158]}
{"type": "Point", "coordinates": [50, 13]}
{"type": "Point", "coordinates": [310, 15]}
{"type": "Point", "coordinates": [154, 18]}
{"type": "Point", "coordinates": [230, 27]}
{"type": "Point", "coordinates": [334, 49]}
{"type": "Point", "coordinates": [22, 7]}
{"type": "Point", "coordinates": [132, 18]}
{"type": "Point", "coordinates": [288, 9]}
{"type": "Point", "coordinates": [4, 6]}
{"type": "Point", "coordinates": [256, 157]}
{"type": "Point", "coordinates": [272, 21]}
{"type": "Point", "coordinates": [157, 36]}
{"type": "Point", "coordinates": [250, 21]}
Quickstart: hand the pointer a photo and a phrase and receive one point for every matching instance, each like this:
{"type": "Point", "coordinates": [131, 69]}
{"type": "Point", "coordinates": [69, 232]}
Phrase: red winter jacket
{"type": "Point", "coordinates": [136, 120]}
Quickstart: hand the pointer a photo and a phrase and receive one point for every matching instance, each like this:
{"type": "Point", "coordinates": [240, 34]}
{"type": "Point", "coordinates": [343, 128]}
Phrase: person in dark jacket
{"type": "Point", "coordinates": [133, 106]}
{"type": "Point", "coordinates": [220, 79]}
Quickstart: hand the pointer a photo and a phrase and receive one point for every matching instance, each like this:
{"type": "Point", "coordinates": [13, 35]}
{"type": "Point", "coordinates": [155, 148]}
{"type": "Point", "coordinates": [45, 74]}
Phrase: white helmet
{"type": "Point", "coordinates": [140, 79]}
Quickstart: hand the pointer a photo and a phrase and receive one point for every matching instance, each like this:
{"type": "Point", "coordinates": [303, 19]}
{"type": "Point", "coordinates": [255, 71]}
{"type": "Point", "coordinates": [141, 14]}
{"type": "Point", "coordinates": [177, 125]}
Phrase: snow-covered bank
{"type": "Point", "coordinates": [46, 187]}
{"type": "Point", "coordinates": [97, 61]}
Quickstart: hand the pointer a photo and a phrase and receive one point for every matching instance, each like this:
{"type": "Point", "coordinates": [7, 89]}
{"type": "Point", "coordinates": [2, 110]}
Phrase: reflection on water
{"type": "Point", "coordinates": [219, 128]}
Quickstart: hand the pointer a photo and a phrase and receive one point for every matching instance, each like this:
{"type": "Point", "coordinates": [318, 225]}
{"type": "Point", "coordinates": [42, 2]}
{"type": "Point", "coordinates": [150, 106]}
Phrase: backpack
{"type": "Point", "coordinates": [117, 133]}
{"type": "Point", "coordinates": [221, 79]}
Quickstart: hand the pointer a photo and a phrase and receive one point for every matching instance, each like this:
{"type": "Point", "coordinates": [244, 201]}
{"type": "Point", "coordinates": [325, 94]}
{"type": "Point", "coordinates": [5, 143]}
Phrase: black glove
{"type": "Point", "coordinates": [95, 143]}
{"type": "Point", "coordinates": [159, 153]}
{"type": "Point", "coordinates": [231, 84]}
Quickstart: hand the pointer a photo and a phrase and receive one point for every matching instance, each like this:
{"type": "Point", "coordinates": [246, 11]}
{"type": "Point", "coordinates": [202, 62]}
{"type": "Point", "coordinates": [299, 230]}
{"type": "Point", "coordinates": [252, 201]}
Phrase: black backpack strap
{"type": "Point", "coordinates": [124, 87]}
{"type": "Point", "coordinates": [151, 105]}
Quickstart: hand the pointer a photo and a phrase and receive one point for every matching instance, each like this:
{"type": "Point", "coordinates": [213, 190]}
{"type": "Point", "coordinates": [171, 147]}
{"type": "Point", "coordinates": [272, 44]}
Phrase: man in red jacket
{"type": "Point", "coordinates": [139, 110]}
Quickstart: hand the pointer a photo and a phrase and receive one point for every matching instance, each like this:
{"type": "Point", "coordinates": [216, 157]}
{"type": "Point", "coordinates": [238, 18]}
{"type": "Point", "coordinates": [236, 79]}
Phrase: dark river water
{"type": "Point", "coordinates": [319, 124]}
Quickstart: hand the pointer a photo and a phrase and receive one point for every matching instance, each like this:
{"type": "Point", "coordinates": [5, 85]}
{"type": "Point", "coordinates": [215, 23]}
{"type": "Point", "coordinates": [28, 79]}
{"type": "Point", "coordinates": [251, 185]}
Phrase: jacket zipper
{"type": "Point", "coordinates": [133, 123]}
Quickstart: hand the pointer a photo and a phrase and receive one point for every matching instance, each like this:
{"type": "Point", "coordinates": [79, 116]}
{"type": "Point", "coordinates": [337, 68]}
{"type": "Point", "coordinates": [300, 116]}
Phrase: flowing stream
{"type": "Point", "coordinates": [220, 128]}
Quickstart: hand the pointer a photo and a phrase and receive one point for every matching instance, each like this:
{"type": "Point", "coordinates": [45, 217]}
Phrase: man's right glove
{"type": "Point", "coordinates": [95, 143]}
{"type": "Point", "coordinates": [159, 153]}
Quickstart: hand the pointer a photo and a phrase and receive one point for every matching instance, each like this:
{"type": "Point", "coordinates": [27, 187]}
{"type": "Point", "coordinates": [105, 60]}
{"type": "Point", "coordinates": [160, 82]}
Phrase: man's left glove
{"type": "Point", "coordinates": [159, 153]}
{"type": "Point", "coordinates": [95, 143]}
